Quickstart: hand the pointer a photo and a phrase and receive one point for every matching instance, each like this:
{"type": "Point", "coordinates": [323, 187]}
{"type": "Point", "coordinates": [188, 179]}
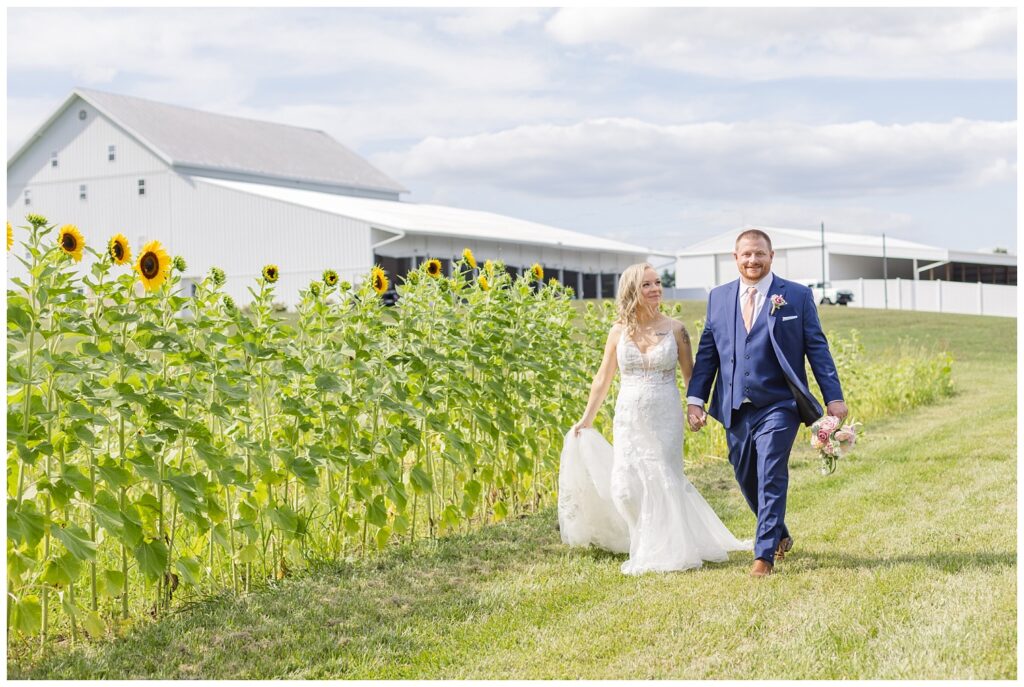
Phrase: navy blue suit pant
{"type": "Point", "coordinates": [760, 440]}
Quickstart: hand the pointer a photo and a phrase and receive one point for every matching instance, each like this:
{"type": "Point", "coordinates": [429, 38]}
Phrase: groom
{"type": "Point", "coordinates": [757, 332]}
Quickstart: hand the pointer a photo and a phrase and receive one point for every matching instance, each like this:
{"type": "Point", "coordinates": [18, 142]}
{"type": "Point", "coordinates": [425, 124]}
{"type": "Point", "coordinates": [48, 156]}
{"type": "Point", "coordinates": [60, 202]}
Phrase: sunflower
{"type": "Point", "coordinates": [179, 263]}
{"type": "Point", "coordinates": [552, 282]}
{"type": "Point", "coordinates": [433, 267]}
{"type": "Point", "coordinates": [10, 237]}
{"type": "Point", "coordinates": [330, 277]}
{"type": "Point", "coordinates": [489, 266]}
{"type": "Point", "coordinates": [270, 274]}
{"type": "Point", "coordinates": [119, 250]}
{"type": "Point", "coordinates": [537, 271]}
{"type": "Point", "coordinates": [71, 242]}
{"type": "Point", "coordinates": [484, 284]}
{"type": "Point", "coordinates": [229, 304]}
{"type": "Point", "coordinates": [36, 220]}
{"type": "Point", "coordinates": [218, 276]}
{"type": "Point", "coordinates": [153, 265]}
{"type": "Point", "coordinates": [467, 255]}
{"type": "Point", "coordinates": [379, 279]}
{"type": "Point", "coordinates": [314, 288]}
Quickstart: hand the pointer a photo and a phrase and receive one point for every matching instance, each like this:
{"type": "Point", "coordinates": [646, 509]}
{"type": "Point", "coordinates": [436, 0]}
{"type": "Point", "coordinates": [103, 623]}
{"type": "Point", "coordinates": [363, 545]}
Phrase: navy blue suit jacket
{"type": "Point", "coordinates": [794, 331]}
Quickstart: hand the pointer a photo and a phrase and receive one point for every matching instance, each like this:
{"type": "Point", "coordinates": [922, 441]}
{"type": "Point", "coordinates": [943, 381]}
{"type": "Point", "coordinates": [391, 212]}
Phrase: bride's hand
{"type": "Point", "coordinates": [582, 424]}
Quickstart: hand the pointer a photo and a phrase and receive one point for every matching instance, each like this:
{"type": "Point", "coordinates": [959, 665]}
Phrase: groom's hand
{"type": "Point", "coordinates": [837, 408]}
{"type": "Point", "coordinates": [696, 417]}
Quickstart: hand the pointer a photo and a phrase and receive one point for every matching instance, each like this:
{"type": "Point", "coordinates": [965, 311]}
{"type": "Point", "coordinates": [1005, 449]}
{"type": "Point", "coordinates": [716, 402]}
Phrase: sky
{"type": "Point", "coordinates": [659, 127]}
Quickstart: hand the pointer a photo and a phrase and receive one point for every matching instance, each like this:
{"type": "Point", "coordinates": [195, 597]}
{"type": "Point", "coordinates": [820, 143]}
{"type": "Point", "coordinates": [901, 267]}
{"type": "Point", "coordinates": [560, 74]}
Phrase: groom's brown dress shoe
{"type": "Point", "coordinates": [762, 568]}
{"type": "Point", "coordinates": [785, 544]}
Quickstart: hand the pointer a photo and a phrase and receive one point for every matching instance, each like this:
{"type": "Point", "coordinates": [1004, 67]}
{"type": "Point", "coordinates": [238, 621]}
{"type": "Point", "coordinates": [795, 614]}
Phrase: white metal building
{"type": "Point", "coordinates": [239, 194]}
{"type": "Point", "coordinates": [798, 256]}
{"type": "Point", "coordinates": [899, 274]}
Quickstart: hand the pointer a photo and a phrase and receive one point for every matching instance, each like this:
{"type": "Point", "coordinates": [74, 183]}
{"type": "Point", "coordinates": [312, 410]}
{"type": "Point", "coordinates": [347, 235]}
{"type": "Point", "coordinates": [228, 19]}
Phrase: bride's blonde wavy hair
{"type": "Point", "coordinates": [630, 298]}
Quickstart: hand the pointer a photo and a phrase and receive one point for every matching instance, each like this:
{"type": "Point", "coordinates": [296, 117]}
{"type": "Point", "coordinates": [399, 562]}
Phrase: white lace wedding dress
{"type": "Point", "coordinates": [635, 498]}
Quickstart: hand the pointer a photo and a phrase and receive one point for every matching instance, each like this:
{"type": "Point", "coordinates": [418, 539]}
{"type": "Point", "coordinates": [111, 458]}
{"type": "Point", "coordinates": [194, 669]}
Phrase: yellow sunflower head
{"type": "Point", "coordinates": [330, 277]}
{"type": "Point", "coordinates": [10, 237]}
{"type": "Point", "coordinates": [119, 250]}
{"type": "Point", "coordinates": [71, 242]}
{"type": "Point", "coordinates": [489, 266]}
{"type": "Point", "coordinates": [467, 255]}
{"type": "Point", "coordinates": [537, 271]}
{"type": "Point", "coordinates": [153, 265]}
{"type": "Point", "coordinates": [270, 274]}
{"type": "Point", "coordinates": [484, 284]}
{"type": "Point", "coordinates": [433, 267]}
{"type": "Point", "coordinates": [379, 279]}
{"type": "Point", "coordinates": [552, 282]}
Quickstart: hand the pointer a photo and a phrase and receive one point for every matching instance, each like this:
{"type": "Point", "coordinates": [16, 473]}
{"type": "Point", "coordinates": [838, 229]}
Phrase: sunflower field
{"type": "Point", "coordinates": [161, 447]}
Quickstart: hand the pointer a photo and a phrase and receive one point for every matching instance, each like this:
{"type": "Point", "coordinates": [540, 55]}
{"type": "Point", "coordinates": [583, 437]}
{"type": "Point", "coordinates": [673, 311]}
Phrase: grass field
{"type": "Point", "coordinates": [904, 567]}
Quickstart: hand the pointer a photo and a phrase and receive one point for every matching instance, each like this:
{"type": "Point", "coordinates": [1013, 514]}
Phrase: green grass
{"type": "Point", "coordinates": [904, 567]}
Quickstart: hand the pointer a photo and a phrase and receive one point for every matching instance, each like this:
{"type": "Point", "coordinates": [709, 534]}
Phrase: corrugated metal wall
{"type": "Point", "coordinates": [240, 233]}
{"type": "Point", "coordinates": [517, 255]}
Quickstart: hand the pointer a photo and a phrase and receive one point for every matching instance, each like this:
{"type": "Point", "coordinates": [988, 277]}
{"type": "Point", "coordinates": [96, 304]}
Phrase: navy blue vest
{"type": "Point", "coordinates": [757, 374]}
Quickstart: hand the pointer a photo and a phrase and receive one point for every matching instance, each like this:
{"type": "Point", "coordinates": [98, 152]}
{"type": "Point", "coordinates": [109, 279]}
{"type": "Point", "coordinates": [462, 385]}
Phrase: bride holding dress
{"type": "Point", "coordinates": [635, 497]}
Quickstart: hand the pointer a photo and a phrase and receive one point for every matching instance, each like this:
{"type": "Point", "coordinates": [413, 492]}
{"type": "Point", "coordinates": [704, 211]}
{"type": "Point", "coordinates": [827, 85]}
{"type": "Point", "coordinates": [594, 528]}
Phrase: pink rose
{"type": "Point", "coordinates": [823, 435]}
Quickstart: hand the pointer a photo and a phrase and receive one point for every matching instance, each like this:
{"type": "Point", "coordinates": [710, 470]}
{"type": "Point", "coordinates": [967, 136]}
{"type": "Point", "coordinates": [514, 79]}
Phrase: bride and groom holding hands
{"type": "Point", "coordinates": [633, 496]}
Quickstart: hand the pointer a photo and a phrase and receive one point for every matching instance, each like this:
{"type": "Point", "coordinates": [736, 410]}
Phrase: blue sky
{"type": "Point", "coordinates": [656, 126]}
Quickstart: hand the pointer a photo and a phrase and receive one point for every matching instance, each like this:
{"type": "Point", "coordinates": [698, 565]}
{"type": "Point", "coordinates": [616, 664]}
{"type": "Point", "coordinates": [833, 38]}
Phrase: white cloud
{"type": "Point", "coordinates": [780, 43]}
{"type": "Point", "coordinates": [489, 22]}
{"type": "Point", "coordinates": [602, 157]}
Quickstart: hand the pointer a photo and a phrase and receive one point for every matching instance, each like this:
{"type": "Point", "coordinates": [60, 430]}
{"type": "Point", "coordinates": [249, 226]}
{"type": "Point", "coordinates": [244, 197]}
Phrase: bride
{"type": "Point", "coordinates": [635, 498]}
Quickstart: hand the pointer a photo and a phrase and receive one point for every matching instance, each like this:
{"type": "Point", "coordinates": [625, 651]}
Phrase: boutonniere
{"type": "Point", "coordinates": [777, 302]}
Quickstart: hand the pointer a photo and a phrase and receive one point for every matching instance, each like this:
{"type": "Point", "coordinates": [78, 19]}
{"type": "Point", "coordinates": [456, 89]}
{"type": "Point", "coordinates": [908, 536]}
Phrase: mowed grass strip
{"type": "Point", "coordinates": [904, 567]}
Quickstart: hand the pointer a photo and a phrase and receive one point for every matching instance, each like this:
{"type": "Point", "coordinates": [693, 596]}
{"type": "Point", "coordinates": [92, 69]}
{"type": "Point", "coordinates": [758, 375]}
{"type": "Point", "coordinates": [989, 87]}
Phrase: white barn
{"type": "Point", "coordinates": [238, 194]}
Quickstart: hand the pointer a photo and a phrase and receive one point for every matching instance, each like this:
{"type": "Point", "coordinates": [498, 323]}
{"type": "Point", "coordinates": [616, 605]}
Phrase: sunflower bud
{"type": "Point", "coordinates": [217, 276]}
{"type": "Point", "coordinates": [229, 305]}
{"type": "Point", "coordinates": [179, 263]}
{"type": "Point", "coordinates": [344, 286]}
{"type": "Point", "coordinates": [314, 288]}
{"type": "Point", "coordinates": [36, 220]}
{"type": "Point", "coordinates": [330, 277]}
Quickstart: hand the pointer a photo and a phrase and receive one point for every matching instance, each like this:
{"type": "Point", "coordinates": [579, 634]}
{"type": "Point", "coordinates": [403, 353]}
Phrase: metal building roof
{"type": "Point", "coordinates": [839, 243]}
{"type": "Point", "coordinates": [438, 220]}
{"type": "Point", "coordinates": [197, 140]}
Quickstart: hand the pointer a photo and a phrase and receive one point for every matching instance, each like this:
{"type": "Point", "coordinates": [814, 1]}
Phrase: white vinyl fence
{"type": "Point", "coordinates": [933, 296]}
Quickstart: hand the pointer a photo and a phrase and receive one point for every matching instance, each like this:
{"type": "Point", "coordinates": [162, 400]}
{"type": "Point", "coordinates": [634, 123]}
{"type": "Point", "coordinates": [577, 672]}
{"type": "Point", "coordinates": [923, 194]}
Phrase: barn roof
{"type": "Point", "coordinates": [204, 141]}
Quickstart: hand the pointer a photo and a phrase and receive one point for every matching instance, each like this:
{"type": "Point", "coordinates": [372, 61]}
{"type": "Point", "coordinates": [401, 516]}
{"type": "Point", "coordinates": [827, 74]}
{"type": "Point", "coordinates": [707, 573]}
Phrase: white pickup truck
{"type": "Point", "coordinates": [825, 294]}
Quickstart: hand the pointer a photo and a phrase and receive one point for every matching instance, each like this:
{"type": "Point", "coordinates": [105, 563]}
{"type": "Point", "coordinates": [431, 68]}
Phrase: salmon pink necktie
{"type": "Point", "coordinates": [748, 308]}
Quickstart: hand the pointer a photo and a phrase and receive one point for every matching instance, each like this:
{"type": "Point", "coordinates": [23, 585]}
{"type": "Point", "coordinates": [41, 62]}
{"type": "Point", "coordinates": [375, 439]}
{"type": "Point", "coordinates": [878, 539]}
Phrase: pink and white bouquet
{"type": "Point", "coordinates": [832, 441]}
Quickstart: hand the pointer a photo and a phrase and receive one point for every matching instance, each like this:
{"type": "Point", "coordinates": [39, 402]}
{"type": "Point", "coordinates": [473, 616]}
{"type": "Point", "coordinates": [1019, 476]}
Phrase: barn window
{"type": "Point", "coordinates": [111, 153]}
{"type": "Point", "coordinates": [28, 197]}
{"type": "Point", "coordinates": [81, 114]}
{"type": "Point", "coordinates": [142, 187]}
{"type": "Point", "coordinates": [83, 192]}
{"type": "Point", "coordinates": [53, 159]}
